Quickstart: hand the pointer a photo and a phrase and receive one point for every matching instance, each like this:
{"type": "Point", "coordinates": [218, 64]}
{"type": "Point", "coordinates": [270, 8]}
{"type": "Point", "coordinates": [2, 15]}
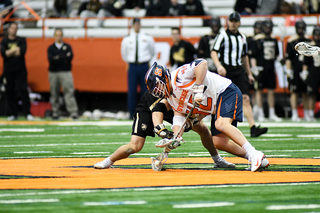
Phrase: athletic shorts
{"type": "Point", "coordinates": [239, 77]}
{"type": "Point", "coordinates": [266, 80]}
{"type": "Point", "coordinates": [313, 81]}
{"type": "Point", "coordinates": [296, 84]}
{"type": "Point", "coordinates": [229, 105]}
{"type": "Point", "coordinates": [142, 123]}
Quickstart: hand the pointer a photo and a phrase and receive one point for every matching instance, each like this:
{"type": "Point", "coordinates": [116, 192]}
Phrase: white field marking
{"type": "Point", "coordinates": [21, 130]}
{"type": "Point", "coordinates": [283, 139]}
{"type": "Point", "coordinates": [111, 203]}
{"type": "Point", "coordinates": [63, 144]}
{"type": "Point", "coordinates": [316, 157]}
{"type": "Point", "coordinates": [64, 135]}
{"type": "Point", "coordinates": [296, 206]}
{"type": "Point", "coordinates": [94, 123]}
{"type": "Point", "coordinates": [278, 156]}
{"type": "Point", "coordinates": [42, 157]}
{"type": "Point", "coordinates": [80, 191]}
{"type": "Point", "coordinates": [292, 150]}
{"type": "Point", "coordinates": [277, 135]}
{"type": "Point", "coordinates": [283, 124]}
{"type": "Point", "coordinates": [202, 205]}
{"type": "Point", "coordinates": [86, 153]}
{"type": "Point", "coordinates": [308, 136]}
{"type": "Point", "coordinates": [198, 155]}
{"type": "Point", "coordinates": [29, 201]}
{"type": "Point", "coordinates": [31, 152]}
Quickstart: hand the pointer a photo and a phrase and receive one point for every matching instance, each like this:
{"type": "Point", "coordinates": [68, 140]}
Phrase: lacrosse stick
{"type": "Point", "coordinates": [307, 50]}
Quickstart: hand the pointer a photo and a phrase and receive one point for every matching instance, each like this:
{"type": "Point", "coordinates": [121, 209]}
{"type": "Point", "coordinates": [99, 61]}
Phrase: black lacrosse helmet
{"type": "Point", "coordinates": [301, 27]}
{"type": "Point", "coordinates": [158, 81]}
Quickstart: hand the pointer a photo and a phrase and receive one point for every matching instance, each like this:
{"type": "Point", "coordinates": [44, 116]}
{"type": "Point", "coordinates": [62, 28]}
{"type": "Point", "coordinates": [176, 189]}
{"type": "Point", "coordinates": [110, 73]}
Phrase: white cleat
{"type": "Point", "coordinates": [105, 164]}
{"type": "Point", "coordinates": [256, 160]}
{"type": "Point", "coordinates": [264, 164]}
{"type": "Point", "coordinates": [295, 118]}
{"type": "Point", "coordinates": [262, 119]}
{"type": "Point", "coordinates": [157, 162]}
{"type": "Point", "coordinates": [275, 118]}
{"type": "Point", "coordinates": [224, 164]}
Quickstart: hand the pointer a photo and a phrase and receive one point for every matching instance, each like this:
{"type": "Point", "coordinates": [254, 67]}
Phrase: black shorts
{"type": "Point", "coordinates": [296, 84]}
{"type": "Point", "coordinates": [142, 124]}
{"type": "Point", "coordinates": [313, 82]}
{"type": "Point", "coordinates": [266, 80]}
{"type": "Point", "coordinates": [239, 77]}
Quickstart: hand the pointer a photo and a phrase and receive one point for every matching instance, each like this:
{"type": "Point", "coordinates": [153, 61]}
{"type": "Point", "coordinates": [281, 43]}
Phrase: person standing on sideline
{"type": "Point", "coordinates": [234, 64]}
{"type": "Point", "coordinates": [60, 56]}
{"type": "Point", "coordinates": [265, 51]}
{"type": "Point", "coordinates": [206, 43]}
{"type": "Point", "coordinates": [181, 52]}
{"type": "Point", "coordinates": [137, 49]}
{"type": "Point", "coordinates": [294, 63]}
{"type": "Point", "coordinates": [13, 50]}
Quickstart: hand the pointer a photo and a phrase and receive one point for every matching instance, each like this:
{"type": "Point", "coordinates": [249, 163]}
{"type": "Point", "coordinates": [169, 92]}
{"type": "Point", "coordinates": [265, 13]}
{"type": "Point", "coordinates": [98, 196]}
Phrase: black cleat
{"type": "Point", "coordinates": [257, 131]}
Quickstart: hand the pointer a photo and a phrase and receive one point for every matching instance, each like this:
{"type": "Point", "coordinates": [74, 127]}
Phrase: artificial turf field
{"type": "Point", "coordinates": [48, 167]}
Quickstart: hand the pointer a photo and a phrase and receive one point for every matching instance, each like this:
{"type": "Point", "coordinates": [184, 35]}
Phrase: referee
{"type": "Point", "coordinates": [233, 63]}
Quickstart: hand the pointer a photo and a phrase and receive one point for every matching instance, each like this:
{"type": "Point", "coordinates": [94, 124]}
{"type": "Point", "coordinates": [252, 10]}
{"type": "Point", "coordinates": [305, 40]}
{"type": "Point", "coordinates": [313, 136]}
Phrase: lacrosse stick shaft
{"type": "Point", "coordinates": [184, 123]}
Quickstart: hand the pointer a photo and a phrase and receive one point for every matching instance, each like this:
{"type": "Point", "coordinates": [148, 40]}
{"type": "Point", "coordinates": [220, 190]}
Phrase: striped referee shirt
{"type": "Point", "coordinates": [232, 47]}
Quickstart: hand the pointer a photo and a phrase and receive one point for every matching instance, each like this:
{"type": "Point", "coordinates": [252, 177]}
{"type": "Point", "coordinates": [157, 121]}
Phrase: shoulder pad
{"type": "Point", "coordinates": [196, 62]}
{"type": "Point", "coordinates": [259, 36]}
{"type": "Point", "coordinates": [292, 38]}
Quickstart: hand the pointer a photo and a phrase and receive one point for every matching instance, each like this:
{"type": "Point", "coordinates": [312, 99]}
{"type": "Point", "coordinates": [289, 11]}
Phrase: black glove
{"type": "Point", "coordinates": [162, 131]}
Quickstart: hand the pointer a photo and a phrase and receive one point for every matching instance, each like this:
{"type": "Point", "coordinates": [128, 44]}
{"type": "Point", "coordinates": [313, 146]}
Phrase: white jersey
{"type": "Point", "coordinates": [184, 78]}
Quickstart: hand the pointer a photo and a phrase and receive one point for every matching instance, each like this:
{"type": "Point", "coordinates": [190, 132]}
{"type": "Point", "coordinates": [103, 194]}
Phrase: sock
{"type": "Point", "coordinates": [294, 113]}
{"type": "Point", "coordinates": [311, 113]}
{"type": "Point", "coordinates": [216, 158]}
{"type": "Point", "coordinates": [306, 113]}
{"type": "Point", "coordinates": [108, 161]}
{"type": "Point", "coordinates": [248, 147]}
{"type": "Point", "coordinates": [271, 112]}
{"type": "Point", "coordinates": [246, 156]}
{"type": "Point", "coordinates": [261, 113]}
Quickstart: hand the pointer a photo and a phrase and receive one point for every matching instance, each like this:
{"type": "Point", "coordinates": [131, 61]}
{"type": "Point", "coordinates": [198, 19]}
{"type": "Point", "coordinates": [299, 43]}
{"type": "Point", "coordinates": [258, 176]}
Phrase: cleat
{"type": "Point", "coordinates": [30, 117]}
{"type": "Point", "coordinates": [158, 161]}
{"type": "Point", "coordinates": [256, 160]}
{"type": "Point", "coordinates": [12, 118]}
{"type": "Point", "coordinates": [105, 164]}
{"type": "Point", "coordinates": [224, 164]}
{"type": "Point", "coordinates": [257, 131]}
{"type": "Point", "coordinates": [275, 118]}
{"type": "Point", "coordinates": [264, 164]}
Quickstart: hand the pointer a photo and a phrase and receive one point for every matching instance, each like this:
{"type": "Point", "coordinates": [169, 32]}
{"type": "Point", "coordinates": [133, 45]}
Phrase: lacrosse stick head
{"type": "Point", "coordinates": [306, 50]}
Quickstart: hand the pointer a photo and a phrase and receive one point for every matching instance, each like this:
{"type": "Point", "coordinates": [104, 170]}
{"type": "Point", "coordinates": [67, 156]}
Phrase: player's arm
{"type": "Point", "coordinates": [246, 65]}
{"type": "Point", "coordinates": [178, 121]}
{"type": "Point", "coordinates": [220, 69]}
{"type": "Point", "coordinates": [157, 118]}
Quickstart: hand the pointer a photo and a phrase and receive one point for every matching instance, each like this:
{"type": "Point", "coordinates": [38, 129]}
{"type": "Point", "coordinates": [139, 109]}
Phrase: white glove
{"type": "Point", "coordinates": [170, 143]}
{"type": "Point", "coordinates": [197, 94]}
{"type": "Point", "coordinates": [256, 70]}
{"type": "Point", "coordinates": [304, 75]}
{"type": "Point", "coordinates": [289, 73]}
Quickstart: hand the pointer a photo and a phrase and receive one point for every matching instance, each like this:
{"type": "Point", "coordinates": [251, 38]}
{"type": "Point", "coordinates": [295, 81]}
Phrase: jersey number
{"type": "Point", "coordinates": [201, 107]}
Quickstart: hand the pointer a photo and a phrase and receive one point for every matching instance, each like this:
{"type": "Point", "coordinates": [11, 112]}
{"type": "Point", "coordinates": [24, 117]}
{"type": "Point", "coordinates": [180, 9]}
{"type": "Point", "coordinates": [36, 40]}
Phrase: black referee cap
{"type": "Point", "coordinates": [135, 20]}
{"type": "Point", "coordinates": [235, 16]}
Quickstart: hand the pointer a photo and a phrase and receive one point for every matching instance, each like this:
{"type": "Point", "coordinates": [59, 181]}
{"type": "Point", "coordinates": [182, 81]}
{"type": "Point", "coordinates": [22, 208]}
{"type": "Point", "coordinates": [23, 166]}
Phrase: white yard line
{"type": "Point", "coordinates": [29, 201]}
{"type": "Point", "coordinates": [31, 152]}
{"type": "Point", "coordinates": [112, 203]}
{"type": "Point", "coordinates": [21, 130]}
{"type": "Point", "coordinates": [202, 205]}
{"type": "Point", "coordinates": [295, 206]}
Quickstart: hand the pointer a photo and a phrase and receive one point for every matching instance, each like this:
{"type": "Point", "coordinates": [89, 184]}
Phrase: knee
{"type": "Point", "coordinates": [246, 99]}
{"type": "Point", "coordinates": [220, 125]}
{"type": "Point", "coordinates": [133, 148]}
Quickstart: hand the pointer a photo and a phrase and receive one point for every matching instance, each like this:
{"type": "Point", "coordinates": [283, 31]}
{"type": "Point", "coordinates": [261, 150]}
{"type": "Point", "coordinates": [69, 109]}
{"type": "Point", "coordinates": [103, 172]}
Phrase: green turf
{"type": "Point", "coordinates": [100, 141]}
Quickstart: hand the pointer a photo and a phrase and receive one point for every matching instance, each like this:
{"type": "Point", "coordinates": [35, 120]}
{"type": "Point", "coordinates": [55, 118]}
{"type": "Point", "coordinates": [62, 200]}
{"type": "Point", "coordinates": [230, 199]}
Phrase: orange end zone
{"type": "Point", "coordinates": [78, 173]}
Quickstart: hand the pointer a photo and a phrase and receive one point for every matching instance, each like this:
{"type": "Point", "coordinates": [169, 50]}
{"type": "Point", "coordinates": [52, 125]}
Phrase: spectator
{"type": "Point", "coordinates": [268, 7]}
{"type": "Point", "coordinates": [206, 43]}
{"type": "Point", "coordinates": [60, 56]}
{"type": "Point", "coordinates": [3, 4]}
{"type": "Point", "coordinates": [311, 6]}
{"type": "Point", "coordinates": [137, 50]}
{"type": "Point", "coordinates": [158, 8]}
{"type": "Point", "coordinates": [194, 8]}
{"type": "Point", "coordinates": [134, 4]}
{"type": "Point", "coordinates": [294, 64]}
{"type": "Point", "coordinates": [286, 8]}
{"type": "Point", "coordinates": [90, 9]}
{"type": "Point", "coordinates": [264, 53]}
{"type": "Point", "coordinates": [176, 9]}
{"type": "Point", "coordinates": [246, 7]}
{"type": "Point", "coordinates": [13, 50]}
{"type": "Point", "coordinates": [62, 8]}
{"type": "Point", "coordinates": [182, 52]}
{"type": "Point", "coordinates": [110, 8]}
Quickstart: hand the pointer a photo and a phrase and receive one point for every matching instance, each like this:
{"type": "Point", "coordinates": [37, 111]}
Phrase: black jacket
{"type": "Point", "coordinates": [60, 59]}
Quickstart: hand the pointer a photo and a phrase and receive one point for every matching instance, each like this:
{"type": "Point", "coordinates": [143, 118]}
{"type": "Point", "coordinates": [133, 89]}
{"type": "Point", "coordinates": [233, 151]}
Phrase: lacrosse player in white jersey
{"type": "Point", "coordinates": [192, 85]}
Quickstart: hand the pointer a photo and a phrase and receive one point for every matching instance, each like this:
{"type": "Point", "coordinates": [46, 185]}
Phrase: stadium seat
{"type": "Point", "coordinates": [67, 32]}
{"type": "Point", "coordinates": [158, 32]}
{"type": "Point", "coordinates": [134, 13]}
{"type": "Point", "coordinates": [221, 11]}
{"type": "Point", "coordinates": [94, 22]}
{"type": "Point", "coordinates": [116, 23]}
{"type": "Point", "coordinates": [61, 22]}
{"type": "Point", "coordinates": [192, 22]}
{"type": "Point", "coordinates": [37, 5]}
{"type": "Point", "coordinates": [195, 31]}
{"type": "Point", "coordinates": [151, 22]}
{"type": "Point", "coordinates": [30, 33]}
{"type": "Point", "coordinates": [107, 33]}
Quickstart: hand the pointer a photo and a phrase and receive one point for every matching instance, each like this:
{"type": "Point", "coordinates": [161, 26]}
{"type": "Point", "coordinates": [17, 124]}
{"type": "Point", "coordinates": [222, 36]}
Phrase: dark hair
{"type": "Point", "coordinates": [58, 29]}
{"type": "Point", "coordinates": [176, 28]}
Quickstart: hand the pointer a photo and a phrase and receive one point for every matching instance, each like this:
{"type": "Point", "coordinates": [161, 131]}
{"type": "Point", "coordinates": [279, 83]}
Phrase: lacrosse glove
{"type": "Point", "coordinates": [197, 94]}
{"type": "Point", "coordinates": [304, 75]}
{"type": "Point", "coordinates": [162, 131]}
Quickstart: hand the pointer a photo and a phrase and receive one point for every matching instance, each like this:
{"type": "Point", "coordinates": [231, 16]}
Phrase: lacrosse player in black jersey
{"type": "Point", "coordinates": [311, 75]}
{"type": "Point", "coordinates": [294, 68]}
{"type": "Point", "coordinates": [264, 53]}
